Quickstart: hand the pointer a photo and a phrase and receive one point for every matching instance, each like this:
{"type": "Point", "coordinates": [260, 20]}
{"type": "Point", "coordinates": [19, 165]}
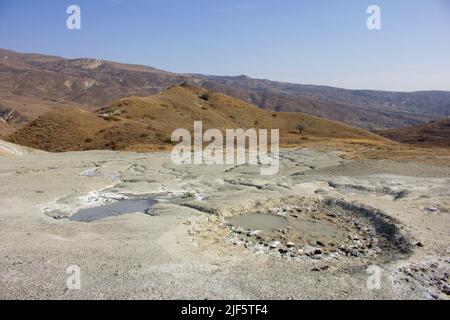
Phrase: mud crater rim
{"type": "Point", "coordinates": [342, 229]}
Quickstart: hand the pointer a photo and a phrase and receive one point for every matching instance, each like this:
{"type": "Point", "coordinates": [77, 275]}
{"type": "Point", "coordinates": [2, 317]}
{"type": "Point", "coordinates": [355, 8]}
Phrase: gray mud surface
{"type": "Point", "coordinates": [339, 218]}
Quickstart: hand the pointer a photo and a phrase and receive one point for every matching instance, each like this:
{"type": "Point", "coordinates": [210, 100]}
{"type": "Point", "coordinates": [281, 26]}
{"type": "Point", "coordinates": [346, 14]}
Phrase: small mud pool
{"type": "Point", "coordinates": [318, 230]}
{"type": "Point", "coordinates": [113, 209]}
{"type": "Point", "coordinates": [303, 228]}
{"type": "Point", "coordinates": [256, 221]}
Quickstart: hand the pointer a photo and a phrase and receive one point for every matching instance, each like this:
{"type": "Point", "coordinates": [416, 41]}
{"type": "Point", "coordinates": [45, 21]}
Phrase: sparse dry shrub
{"type": "Point", "coordinates": [204, 97]}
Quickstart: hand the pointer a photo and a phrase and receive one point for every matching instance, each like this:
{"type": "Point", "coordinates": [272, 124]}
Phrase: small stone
{"type": "Point", "coordinates": [253, 233]}
{"type": "Point", "coordinates": [290, 244]}
{"type": "Point", "coordinates": [334, 255]}
{"type": "Point", "coordinates": [309, 251]}
{"type": "Point", "coordinates": [274, 244]}
{"type": "Point", "coordinates": [419, 244]}
{"type": "Point", "coordinates": [432, 209]}
{"type": "Point", "coordinates": [320, 243]}
{"type": "Point", "coordinates": [282, 250]}
{"type": "Point", "coordinates": [149, 212]}
{"type": "Point", "coordinates": [353, 237]}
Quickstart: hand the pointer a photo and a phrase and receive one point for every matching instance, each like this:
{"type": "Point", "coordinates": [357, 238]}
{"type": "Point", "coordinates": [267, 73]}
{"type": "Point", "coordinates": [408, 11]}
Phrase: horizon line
{"type": "Point", "coordinates": [225, 76]}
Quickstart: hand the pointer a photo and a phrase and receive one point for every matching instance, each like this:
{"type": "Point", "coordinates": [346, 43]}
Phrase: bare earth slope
{"type": "Point", "coordinates": [5, 128]}
{"type": "Point", "coordinates": [89, 82]}
{"type": "Point", "coordinates": [10, 149]}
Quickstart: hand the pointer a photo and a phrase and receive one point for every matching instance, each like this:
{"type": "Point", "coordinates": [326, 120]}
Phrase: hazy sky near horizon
{"type": "Point", "coordinates": [323, 42]}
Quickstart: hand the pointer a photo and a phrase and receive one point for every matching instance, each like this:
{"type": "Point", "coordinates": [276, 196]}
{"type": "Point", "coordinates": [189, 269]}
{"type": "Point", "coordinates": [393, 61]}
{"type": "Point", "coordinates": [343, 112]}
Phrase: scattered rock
{"type": "Point", "coordinates": [323, 268]}
{"type": "Point", "coordinates": [334, 255]}
{"type": "Point", "coordinates": [310, 251]}
{"type": "Point", "coordinates": [274, 244]}
{"type": "Point", "coordinates": [150, 212]}
{"type": "Point", "coordinates": [320, 243]}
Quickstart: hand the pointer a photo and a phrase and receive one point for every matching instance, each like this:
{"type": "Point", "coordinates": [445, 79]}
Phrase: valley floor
{"type": "Point", "coordinates": [186, 251]}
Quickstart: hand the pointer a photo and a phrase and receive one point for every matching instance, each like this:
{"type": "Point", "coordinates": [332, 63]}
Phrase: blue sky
{"type": "Point", "coordinates": [317, 42]}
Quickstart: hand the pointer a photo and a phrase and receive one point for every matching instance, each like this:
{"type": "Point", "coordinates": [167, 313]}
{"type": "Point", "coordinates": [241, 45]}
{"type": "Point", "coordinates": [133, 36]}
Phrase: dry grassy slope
{"type": "Point", "coordinates": [435, 133]}
{"type": "Point", "coordinates": [136, 122]}
{"type": "Point", "coordinates": [60, 129]}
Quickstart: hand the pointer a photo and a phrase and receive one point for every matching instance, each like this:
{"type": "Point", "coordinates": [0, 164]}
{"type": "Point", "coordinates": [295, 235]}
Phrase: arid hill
{"type": "Point", "coordinates": [140, 123]}
{"type": "Point", "coordinates": [435, 133]}
{"type": "Point", "coordinates": [32, 84]}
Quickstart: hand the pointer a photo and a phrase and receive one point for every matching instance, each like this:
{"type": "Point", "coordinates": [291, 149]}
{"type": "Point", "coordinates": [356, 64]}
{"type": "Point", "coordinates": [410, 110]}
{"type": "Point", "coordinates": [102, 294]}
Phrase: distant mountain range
{"type": "Point", "coordinates": [362, 108]}
{"type": "Point", "coordinates": [31, 84]}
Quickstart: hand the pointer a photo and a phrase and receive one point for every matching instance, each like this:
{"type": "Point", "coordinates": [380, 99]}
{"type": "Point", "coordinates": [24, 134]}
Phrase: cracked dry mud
{"type": "Point", "coordinates": [337, 218]}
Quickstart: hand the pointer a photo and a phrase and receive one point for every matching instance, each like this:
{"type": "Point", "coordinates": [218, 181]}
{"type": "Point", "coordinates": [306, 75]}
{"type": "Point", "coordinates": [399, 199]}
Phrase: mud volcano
{"type": "Point", "coordinates": [320, 229]}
